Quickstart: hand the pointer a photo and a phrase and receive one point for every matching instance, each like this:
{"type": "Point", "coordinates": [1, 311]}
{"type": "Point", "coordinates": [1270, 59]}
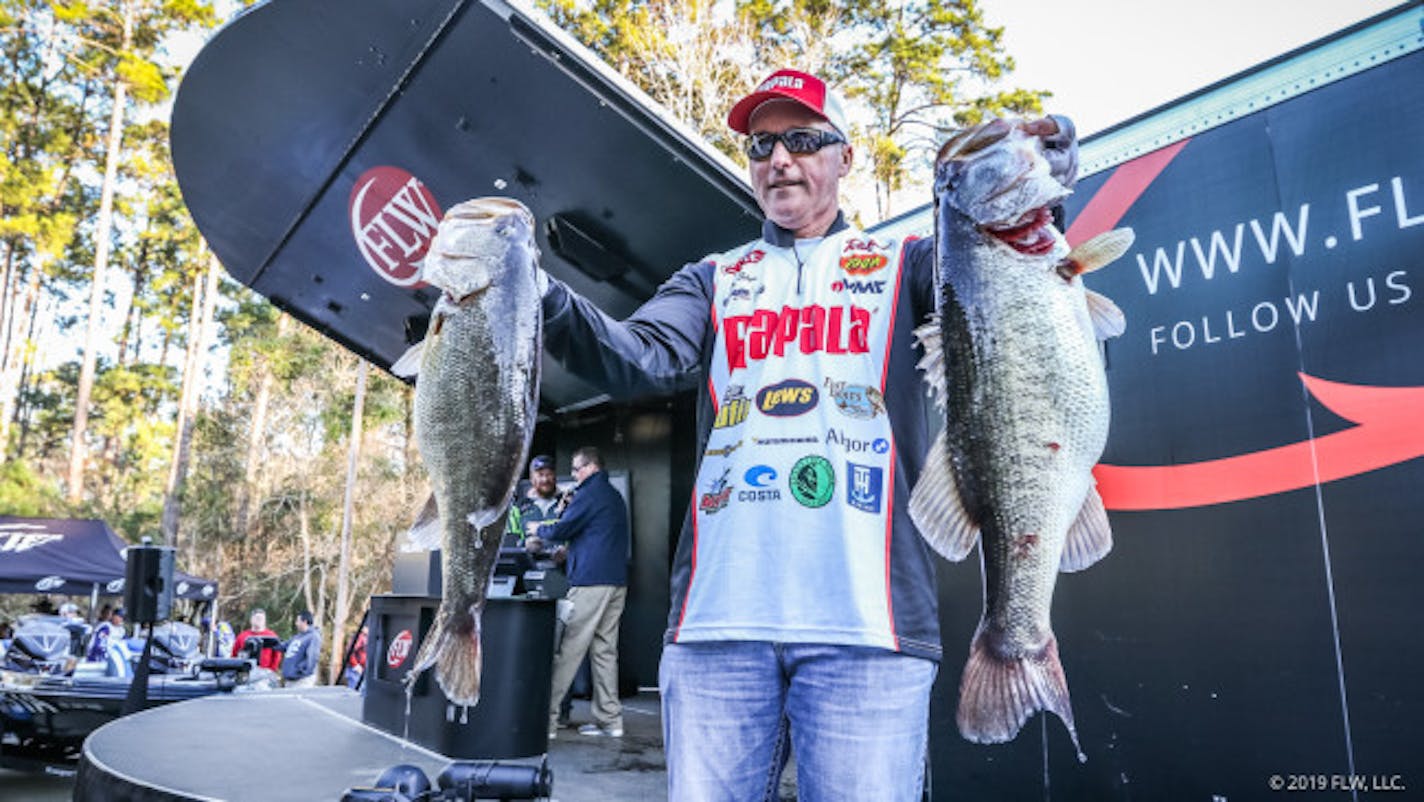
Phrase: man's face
{"type": "Point", "coordinates": [543, 482]}
{"type": "Point", "coordinates": [797, 192]}
{"type": "Point", "coordinates": [302, 625]}
{"type": "Point", "coordinates": [259, 621]}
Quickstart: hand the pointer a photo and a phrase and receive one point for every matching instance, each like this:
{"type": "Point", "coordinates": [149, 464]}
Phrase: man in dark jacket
{"type": "Point", "coordinates": [302, 653]}
{"type": "Point", "coordinates": [595, 526]}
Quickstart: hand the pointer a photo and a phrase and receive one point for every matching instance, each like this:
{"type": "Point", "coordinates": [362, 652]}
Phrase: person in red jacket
{"type": "Point", "coordinates": [269, 656]}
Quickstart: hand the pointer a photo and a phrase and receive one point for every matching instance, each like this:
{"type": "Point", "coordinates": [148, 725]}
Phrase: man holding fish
{"type": "Point", "coordinates": [804, 613]}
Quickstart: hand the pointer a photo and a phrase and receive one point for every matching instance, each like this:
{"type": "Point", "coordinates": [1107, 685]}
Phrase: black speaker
{"type": "Point", "coordinates": [148, 584]}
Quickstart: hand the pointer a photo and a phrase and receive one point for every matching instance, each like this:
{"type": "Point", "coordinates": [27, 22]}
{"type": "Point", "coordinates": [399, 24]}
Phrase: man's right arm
{"type": "Point", "coordinates": [656, 350]}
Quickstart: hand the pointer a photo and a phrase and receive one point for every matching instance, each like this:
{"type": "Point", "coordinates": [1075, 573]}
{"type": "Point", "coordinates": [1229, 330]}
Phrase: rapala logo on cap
{"type": "Point", "coordinates": [393, 219]}
{"type": "Point", "coordinates": [399, 650]}
{"type": "Point", "coordinates": [787, 398]}
{"type": "Point", "coordinates": [782, 82]}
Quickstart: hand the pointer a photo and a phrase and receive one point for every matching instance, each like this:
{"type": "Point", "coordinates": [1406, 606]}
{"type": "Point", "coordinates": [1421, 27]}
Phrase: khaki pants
{"type": "Point", "coordinates": [591, 629]}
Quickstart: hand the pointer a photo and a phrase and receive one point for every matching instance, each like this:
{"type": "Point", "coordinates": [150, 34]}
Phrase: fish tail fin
{"type": "Point", "coordinates": [452, 646]}
{"type": "Point", "coordinates": [998, 693]}
{"type": "Point", "coordinates": [1108, 320]}
{"type": "Point", "coordinates": [409, 363]}
{"type": "Point", "coordinates": [1090, 536]}
{"type": "Point", "coordinates": [425, 532]}
{"type": "Point", "coordinates": [937, 509]}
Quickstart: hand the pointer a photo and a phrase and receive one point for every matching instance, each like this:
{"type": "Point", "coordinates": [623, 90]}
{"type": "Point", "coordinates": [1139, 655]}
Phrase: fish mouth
{"type": "Point", "coordinates": [1031, 233]}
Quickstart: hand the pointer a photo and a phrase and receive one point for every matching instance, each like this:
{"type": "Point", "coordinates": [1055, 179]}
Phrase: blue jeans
{"type": "Point", "coordinates": [856, 718]}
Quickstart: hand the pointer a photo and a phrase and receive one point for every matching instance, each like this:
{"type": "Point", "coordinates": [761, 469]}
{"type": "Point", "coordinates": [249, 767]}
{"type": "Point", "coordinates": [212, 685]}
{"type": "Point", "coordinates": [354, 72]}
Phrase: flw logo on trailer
{"type": "Point", "coordinates": [399, 649]}
{"type": "Point", "coordinates": [393, 219]}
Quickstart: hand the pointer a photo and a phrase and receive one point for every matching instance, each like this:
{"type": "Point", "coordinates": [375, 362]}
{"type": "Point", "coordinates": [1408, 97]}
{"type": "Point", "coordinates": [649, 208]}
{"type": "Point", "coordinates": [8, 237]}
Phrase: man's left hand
{"type": "Point", "coordinates": [1060, 146]}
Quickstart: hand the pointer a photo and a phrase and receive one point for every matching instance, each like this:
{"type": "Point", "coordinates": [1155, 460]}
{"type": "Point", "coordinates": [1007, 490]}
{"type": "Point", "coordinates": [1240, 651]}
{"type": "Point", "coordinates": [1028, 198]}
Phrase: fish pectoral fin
{"type": "Point", "coordinates": [998, 693]}
{"type": "Point", "coordinates": [425, 533]}
{"type": "Point", "coordinates": [1090, 536]}
{"type": "Point", "coordinates": [937, 509]}
{"type": "Point", "coordinates": [932, 363]}
{"type": "Point", "coordinates": [1100, 251]}
{"type": "Point", "coordinates": [409, 363]}
{"type": "Point", "coordinates": [1108, 319]}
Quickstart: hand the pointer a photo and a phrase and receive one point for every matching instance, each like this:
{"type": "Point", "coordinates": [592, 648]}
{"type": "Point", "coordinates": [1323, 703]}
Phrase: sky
{"type": "Point", "coordinates": [1108, 60]}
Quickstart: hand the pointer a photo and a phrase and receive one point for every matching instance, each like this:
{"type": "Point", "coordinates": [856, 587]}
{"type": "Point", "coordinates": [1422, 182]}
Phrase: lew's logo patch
{"type": "Point", "coordinates": [393, 219]}
{"type": "Point", "coordinates": [787, 398]}
{"type": "Point", "coordinates": [399, 649]}
{"type": "Point", "coordinates": [863, 264]}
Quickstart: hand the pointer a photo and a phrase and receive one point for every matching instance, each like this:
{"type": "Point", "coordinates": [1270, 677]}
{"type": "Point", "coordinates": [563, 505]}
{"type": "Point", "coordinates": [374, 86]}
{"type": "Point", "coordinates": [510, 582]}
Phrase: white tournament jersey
{"type": "Point", "coordinates": [792, 503]}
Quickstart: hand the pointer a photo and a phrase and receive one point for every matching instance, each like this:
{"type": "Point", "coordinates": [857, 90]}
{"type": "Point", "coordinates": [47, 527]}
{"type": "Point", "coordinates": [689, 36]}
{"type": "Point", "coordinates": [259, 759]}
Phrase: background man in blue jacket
{"type": "Point", "coordinates": [595, 526]}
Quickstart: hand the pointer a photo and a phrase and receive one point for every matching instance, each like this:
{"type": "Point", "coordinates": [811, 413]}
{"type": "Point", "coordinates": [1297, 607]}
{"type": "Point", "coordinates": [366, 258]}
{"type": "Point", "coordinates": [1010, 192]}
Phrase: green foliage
{"type": "Point", "coordinates": [24, 492]}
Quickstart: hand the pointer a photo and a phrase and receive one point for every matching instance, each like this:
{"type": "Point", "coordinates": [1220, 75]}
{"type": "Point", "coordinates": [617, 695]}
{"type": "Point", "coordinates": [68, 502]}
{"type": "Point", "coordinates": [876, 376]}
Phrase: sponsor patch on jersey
{"type": "Point", "coordinates": [717, 496]}
{"type": "Point", "coordinates": [867, 244]}
{"type": "Point", "coordinates": [734, 408]}
{"type": "Point", "coordinates": [750, 259]}
{"type": "Point", "coordinates": [855, 445]}
{"type": "Point", "coordinates": [864, 486]}
{"type": "Point", "coordinates": [855, 287]}
{"type": "Point", "coordinates": [767, 333]}
{"type": "Point", "coordinates": [812, 481]}
{"type": "Point", "coordinates": [863, 264]}
{"type": "Point", "coordinates": [859, 401]}
{"type": "Point", "coordinates": [787, 399]}
{"type": "Point", "coordinates": [759, 476]}
{"type": "Point", "coordinates": [724, 451]}
{"type": "Point", "coordinates": [785, 441]}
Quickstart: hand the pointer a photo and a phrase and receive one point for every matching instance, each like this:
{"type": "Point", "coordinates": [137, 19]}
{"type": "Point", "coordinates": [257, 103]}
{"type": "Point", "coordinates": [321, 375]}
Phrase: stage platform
{"type": "Point", "coordinates": [310, 745]}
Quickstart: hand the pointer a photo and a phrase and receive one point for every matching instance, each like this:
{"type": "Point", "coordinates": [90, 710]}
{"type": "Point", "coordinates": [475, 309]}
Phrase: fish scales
{"type": "Point", "coordinates": [1014, 360]}
{"type": "Point", "coordinates": [476, 402]}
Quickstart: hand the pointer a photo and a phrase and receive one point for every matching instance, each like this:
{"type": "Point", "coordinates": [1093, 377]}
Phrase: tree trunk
{"type": "Point", "coordinates": [304, 528]}
{"type": "Point", "coordinates": [255, 439]}
{"type": "Point", "coordinates": [343, 566]}
{"type": "Point", "coordinates": [101, 264]}
{"type": "Point", "coordinates": [204, 302]}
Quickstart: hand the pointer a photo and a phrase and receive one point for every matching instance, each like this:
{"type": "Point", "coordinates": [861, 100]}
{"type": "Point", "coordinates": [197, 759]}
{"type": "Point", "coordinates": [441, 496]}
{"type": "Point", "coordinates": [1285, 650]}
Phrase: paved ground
{"type": "Point", "coordinates": [586, 768]}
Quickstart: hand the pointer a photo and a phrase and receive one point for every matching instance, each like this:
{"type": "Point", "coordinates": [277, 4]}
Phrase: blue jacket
{"type": "Point", "coordinates": [302, 653]}
{"type": "Point", "coordinates": [595, 526]}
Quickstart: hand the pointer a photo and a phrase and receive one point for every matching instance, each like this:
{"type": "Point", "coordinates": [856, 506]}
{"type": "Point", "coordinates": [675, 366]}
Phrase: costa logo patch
{"type": "Point", "coordinates": [864, 485]}
{"type": "Point", "coordinates": [759, 475]}
{"type": "Point", "coordinates": [750, 259]}
{"type": "Point", "coordinates": [399, 649]}
{"type": "Point", "coordinates": [734, 409]}
{"type": "Point", "coordinates": [863, 264]}
{"type": "Point", "coordinates": [393, 219]}
{"type": "Point", "coordinates": [787, 399]}
{"type": "Point", "coordinates": [859, 401]}
{"type": "Point", "coordinates": [812, 481]}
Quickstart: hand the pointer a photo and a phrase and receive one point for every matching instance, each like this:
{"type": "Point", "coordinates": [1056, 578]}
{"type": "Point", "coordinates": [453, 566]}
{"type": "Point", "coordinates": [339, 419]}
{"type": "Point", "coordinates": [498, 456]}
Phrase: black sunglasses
{"type": "Point", "coordinates": [797, 140]}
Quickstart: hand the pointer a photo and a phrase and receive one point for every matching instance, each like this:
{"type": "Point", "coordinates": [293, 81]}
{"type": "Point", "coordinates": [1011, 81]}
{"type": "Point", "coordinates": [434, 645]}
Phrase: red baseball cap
{"type": "Point", "coordinates": [802, 87]}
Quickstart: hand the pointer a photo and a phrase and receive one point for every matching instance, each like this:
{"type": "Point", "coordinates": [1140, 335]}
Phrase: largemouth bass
{"type": "Point", "coordinates": [1012, 357]}
{"type": "Point", "coordinates": [476, 400]}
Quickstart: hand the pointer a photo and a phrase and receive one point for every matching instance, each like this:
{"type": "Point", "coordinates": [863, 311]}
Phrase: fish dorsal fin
{"type": "Point", "coordinates": [1101, 251]}
{"type": "Point", "coordinates": [932, 363]}
{"type": "Point", "coordinates": [1090, 536]}
{"type": "Point", "coordinates": [425, 534]}
{"type": "Point", "coordinates": [937, 509]}
{"type": "Point", "coordinates": [409, 363]}
{"type": "Point", "coordinates": [1108, 319]}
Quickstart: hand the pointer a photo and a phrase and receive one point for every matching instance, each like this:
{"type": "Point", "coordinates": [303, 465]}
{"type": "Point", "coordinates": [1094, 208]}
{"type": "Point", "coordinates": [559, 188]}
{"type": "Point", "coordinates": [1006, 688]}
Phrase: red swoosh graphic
{"type": "Point", "coordinates": [1118, 193]}
{"type": "Point", "coordinates": [1388, 432]}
